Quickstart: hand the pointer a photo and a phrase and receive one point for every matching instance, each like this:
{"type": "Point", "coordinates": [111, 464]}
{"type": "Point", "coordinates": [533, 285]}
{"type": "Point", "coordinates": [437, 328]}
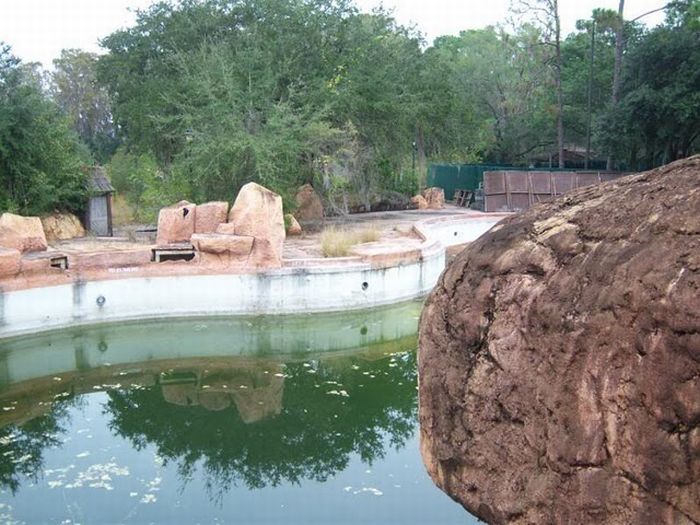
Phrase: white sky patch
{"type": "Point", "coordinates": [37, 30]}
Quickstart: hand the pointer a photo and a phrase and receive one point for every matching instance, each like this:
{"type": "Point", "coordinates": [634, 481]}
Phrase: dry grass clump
{"type": "Point", "coordinates": [337, 242]}
{"type": "Point", "coordinates": [367, 234]}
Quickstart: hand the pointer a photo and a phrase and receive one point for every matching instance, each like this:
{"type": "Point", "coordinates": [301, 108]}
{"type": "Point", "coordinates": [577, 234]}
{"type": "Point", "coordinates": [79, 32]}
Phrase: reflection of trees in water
{"type": "Point", "coordinates": [22, 444]}
{"type": "Point", "coordinates": [312, 437]}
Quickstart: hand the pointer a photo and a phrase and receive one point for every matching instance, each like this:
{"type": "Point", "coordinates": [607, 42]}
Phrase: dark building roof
{"type": "Point", "coordinates": [99, 182]}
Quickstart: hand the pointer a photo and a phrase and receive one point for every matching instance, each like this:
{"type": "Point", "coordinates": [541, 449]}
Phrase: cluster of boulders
{"type": "Point", "coordinates": [20, 235]}
{"type": "Point", "coordinates": [431, 198]}
{"type": "Point", "coordinates": [251, 233]}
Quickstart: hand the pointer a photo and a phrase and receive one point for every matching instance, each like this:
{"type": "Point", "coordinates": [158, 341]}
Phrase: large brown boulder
{"type": "Point", "coordinates": [435, 197]}
{"type": "Point", "coordinates": [176, 223]}
{"type": "Point", "coordinates": [62, 226]}
{"type": "Point", "coordinates": [309, 205]}
{"type": "Point", "coordinates": [257, 213]}
{"type": "Point", "coordinates": [22, 233]}
{"type": "Point", "coordinates": [209, 215]}
{"type": "Point", "coordinates": [559, 359]}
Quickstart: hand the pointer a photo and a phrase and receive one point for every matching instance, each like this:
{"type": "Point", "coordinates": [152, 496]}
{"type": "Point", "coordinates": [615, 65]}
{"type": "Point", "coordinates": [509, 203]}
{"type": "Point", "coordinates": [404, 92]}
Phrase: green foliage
{"type": "Point", "coordinates": [283, 92]}
{"type": "Point", "coordinates": [145, 186]}
{"type": "Point", "coordinates": [75, 89]}
{"type": "Point", "coordinates": [658, 117]}
{"type": "Point", "coordinates": [265, 91]}
{"type": "Point", "coordinates": [41, 159]}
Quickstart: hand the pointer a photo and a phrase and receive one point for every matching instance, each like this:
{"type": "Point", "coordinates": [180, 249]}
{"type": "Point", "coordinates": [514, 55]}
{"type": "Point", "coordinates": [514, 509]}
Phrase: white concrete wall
{"type": "Point", "coordinates": [452, 232]}
{"type": "Point", "coordinates": [284, 291]}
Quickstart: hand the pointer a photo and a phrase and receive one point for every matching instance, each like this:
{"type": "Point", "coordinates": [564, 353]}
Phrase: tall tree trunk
{"type": "Point", "coordinates": [590, 98]}
{"type": "Point", "coordinates": [617, 72]}
{"type": "Point", "coordinates": [420, 145]}
{"type": "Point", "coordinates": [560, 97]}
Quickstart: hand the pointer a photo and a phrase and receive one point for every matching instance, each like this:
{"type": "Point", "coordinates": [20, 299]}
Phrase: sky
{"type": "Point", "coordinates": [37, 30]}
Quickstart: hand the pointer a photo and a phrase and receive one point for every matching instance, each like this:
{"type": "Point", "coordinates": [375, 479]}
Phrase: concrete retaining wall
{"type": "Point", "coordinates": [316, 287]}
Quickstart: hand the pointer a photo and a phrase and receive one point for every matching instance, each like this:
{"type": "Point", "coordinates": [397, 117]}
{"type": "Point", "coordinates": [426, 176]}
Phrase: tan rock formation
{"type": "Point", "coordinates": [236, 245]}
{"type": "Point", "coordinates": [9, 262]}
{"type": "Point", "coordinates": [435, 198]}
{"type": "Point", "coordinates": [209, 215]}
{"type": "Point", "coordinates": [227, 228]}
{"type": "Point", "coordinates": [22, 233]}
{"type": "Point", "coordinates": [257, 212]}
{"type": "Point", "coordinates": [309, 205]}
{"type": "Point", "coordinates": [559, 359]}
{"type": "Point", "coordinates": [62, 226]}
{"type": "Point", "coordinates": [419, 202]}
{"type": "Point", "coordinates": [176, 223]}
{"type": "Point", "coordinates": [293, 226]}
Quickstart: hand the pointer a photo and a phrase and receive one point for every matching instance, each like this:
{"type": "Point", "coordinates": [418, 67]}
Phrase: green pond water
{"type": "Point", "coordinates": [249, 420]}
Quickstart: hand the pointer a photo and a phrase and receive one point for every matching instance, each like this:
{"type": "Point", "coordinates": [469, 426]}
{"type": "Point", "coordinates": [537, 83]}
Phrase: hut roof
{"type": "Point", "coordinates": [99, 182]}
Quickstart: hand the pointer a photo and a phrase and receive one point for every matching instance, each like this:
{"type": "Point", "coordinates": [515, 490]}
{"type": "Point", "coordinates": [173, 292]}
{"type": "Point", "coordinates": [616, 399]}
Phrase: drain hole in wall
{"type": "Point", "coordinates": [102, 346]}
{"type": "Point", "coordinates": [363, 330]}
{"type": "Point", "coordinates": [365, 285]}
{"type": "Point", "coordinates": [101, 300]}
{"type": "Point", "coordinates": [455, 234]}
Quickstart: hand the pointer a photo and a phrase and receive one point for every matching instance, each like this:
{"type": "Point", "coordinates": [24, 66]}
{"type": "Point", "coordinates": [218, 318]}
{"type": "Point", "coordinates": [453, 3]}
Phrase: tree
{"type": "Point", "coordinates": [75, 89]}
{"type": "Point", "coordinates": [545, 13]}
{"type": "Point", "coordinates": [657, 119]}
{"type": "Point", "coordinates": [276, 91]}
{"type": "Point", "coordinates": [587, 74]}
{"type": "Point", "coordinates": [617, 71]}
{"type": "Point", "coordinates": [40, 157]}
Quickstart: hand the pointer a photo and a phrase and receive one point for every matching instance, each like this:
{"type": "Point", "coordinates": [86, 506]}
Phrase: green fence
{"type": "Point", "coordinates": [451, 177]}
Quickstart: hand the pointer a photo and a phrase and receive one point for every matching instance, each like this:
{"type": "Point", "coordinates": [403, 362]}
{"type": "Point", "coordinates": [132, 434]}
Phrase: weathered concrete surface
{"type": "Point", "coordinates": [559, 359]}
{"type": "Point", "coordinates": [209, 215]}
{"type": "Point", "coordinates": [176, 223]}
{"type": "Point", "coordinates": [62, 226]}
{"type": "Point", "coordinates": [435, 197]}
{"type": "Point", "coordinates": [22, 233]}
{"type": "Point", "coordinates": [257, 212]}
{"type": "Point", "coordinates": [309, 205]}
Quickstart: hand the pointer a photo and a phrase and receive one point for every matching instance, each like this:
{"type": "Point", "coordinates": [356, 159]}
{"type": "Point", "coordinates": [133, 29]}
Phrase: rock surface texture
{"type": "Point", "coordinates": [62, 226]}
{"type": "Point", "coordinates": [559, 359]}
{"type": "Point", "coordinates": [209, 215]}
{"type": "Point", "coordinates": [293, 226]}
{"type": "Point", "coordinates": [257, 213]}
{"type": "Point", "coordinates": [309, 205]}
{"type": "Point", "coordinates": [24, 234]}
{"type": "Point", "coordinates": [419, 202]}
{"type": "Point", "coordinates": [176, 223]}
{"type": "Point", "coordinates": [435, 197]}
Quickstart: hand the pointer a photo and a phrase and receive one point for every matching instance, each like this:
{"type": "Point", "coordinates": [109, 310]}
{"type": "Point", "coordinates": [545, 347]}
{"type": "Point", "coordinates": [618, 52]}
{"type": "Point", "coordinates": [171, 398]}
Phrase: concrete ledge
{"type": "Point", "coordinates": [125, 285]}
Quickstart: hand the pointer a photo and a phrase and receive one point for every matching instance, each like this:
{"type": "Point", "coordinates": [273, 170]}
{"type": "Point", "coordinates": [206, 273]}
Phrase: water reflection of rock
{"type": "Point", "coordinates": [256, 391]}
{"type": "Point", "coordinates": [254, 421]}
